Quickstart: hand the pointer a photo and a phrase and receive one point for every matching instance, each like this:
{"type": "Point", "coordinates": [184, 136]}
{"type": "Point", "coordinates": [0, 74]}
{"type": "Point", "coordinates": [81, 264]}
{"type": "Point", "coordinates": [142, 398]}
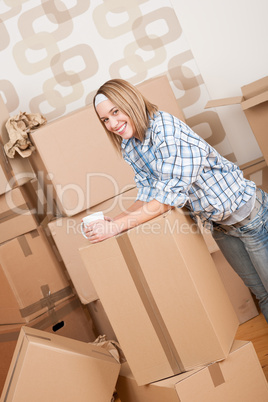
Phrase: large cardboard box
{"type": "Point", "coordinates": [16, 215]}
{"type": "Point", "coordinates": [31, 278]}
{"type": "Point", "coordinates": [76, 162]}
{"type": "Point", "coordinates": [68, 238]}
{"type": "Point", "coordinates": [69, 319]}
{"type": "Point", "coordinates": [239, 295]}
{"type": "Point", "coordinates": [48, 367]}
{"type": "Point", "coordinates": [254, 102]}
{"type": "Point", "coordinates": [163, 296]}
{"type": "Point", "coordinates": [13, 172]}
{"type": "Point", "coordinates": [237, 378]}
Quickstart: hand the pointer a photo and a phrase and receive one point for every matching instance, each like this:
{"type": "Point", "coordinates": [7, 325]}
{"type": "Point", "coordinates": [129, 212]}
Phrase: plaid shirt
{"type": "Point", "coordinates": [177, 167]}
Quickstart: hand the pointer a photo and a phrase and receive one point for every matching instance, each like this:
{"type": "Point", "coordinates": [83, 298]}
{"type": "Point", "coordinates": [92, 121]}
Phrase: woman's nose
{"type": "Point", "coordinates": [113, 122]}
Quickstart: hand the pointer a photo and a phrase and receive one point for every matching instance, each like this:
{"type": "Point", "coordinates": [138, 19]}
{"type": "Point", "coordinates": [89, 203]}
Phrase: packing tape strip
{"type": "Point", "coordinates": [10, 214]}
{"type": "Point", "coordinates": [48, 300]}
{"type": "Point", "coordinates": [44, 321]}
{"type": "Point", "coordinates": [10, 336]}
{"type": "Point", "coordinates": [216, 374]}
{"type": "Point", "coordinates": [149, 304]}
{"type": "Point", "coordinates": [53, 316]}
{"type": "Point", "coordinates": [24, 245]}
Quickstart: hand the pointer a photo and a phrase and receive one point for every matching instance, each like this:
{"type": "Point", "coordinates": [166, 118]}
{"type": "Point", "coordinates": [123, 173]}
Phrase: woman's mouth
{"type": "Point", "coordinates": [121, 129]}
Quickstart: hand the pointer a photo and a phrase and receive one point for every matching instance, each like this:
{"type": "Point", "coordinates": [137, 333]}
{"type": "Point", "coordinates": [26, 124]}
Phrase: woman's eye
{"type": "Point", "coordinates": [116, 111]}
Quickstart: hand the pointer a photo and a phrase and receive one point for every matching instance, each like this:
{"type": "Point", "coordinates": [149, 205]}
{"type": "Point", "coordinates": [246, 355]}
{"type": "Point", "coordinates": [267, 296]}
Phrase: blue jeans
{"type": "Point", "coordinates": [246, 250]}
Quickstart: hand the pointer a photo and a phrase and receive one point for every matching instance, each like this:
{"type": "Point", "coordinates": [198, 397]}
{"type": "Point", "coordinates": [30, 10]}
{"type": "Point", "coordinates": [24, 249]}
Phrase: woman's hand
{"type": "Point", "coordinates": [100, 230]}
{"type": "Point", "coordinates": [136, 214]}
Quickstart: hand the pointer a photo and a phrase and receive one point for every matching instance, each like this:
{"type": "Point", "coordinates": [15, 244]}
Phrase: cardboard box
{"type": "Point", "coordinates": [8, 339]}
{"type": "Point", "coordinates": [43, 208]}
{"type": "Point", "coordinates": [48, 367]}
{"type": "Point", "coordinates": [100, 320]}
{"type": "Point", "coordinates": [254, 102]}
{"type": "Point", "coordinates": [16, 215]}
{"type": "Point", "coordinates": [163, 296]}
{"type": "Point", "coordinates": [67, 236]}
{"type": "Point", "coordinates": [253, 166]}
{"type": "Point", "coordinates": [76, 163]}
{"type": "Point", "coordinates": [260, 177]}
{"type": "Point", "coordinates": [237, 378]}
{"type": "Point", "coordinates": [158, 91]}
{"type": "Point", "coordinates": [239, 295]}
{"type": "Point", "coordinates": [31, 279]}
{"type": "Point", "coordinates": [83, 167]}
{"type": "Point", "coordinates": [13, 172]}
{"type": "Point", "coordinates": [69, 319]}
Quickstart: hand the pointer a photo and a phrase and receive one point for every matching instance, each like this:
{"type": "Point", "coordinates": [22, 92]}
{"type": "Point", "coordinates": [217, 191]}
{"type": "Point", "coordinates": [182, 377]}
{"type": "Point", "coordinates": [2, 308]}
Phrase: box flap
{"type": "Point", "coordinates": [253, 166]}
{"type": "Point", "coordinates": [255, 88]}
{"type": "Point", "coordinates": [255, 100]}
{"type": "Point", "coordinates": [224, 102]}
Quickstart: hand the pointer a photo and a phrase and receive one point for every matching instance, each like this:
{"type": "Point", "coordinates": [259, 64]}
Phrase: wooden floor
{"type": "Point", "coordinates": [256, 331]}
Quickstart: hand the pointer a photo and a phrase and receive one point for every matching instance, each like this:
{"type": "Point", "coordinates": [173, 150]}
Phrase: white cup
{"type": "Point", "coordinates": [90, 218]}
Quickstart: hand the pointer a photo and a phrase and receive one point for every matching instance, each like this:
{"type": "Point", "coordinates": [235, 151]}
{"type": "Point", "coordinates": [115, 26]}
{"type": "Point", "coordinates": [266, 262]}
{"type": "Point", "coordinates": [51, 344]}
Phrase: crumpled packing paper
{"type": "Point", "coordinates": [18, 128]}
{"type": "Point", "coordinates": [111, 346]}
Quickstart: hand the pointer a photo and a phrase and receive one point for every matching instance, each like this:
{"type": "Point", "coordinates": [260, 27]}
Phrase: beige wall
{"type": "Point", "coordinates": [229, 43]}
{"type": "Point", "coordinates": [55, 54]}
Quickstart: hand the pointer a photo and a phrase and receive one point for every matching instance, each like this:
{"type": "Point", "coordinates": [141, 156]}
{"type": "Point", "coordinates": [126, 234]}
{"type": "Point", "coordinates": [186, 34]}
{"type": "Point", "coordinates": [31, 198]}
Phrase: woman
{"type": "Point", "coordinates": [174, 167]}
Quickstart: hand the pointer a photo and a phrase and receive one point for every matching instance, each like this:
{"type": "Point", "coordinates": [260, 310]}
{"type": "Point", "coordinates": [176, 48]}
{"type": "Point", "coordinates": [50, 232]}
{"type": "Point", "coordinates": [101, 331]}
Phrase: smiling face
{"type": "Point", "coordinates": [115, 121]}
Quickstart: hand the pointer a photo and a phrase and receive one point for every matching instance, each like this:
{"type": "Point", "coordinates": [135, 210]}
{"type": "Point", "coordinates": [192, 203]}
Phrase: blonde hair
{"type": "Point", "coordinates": [131, 102]}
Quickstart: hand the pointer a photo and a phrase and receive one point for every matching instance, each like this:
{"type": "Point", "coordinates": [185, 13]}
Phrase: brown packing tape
{"type": "Point", "coordinates": [10, 336]}
{"type": "Point", "coordinates": [48, 300]}
{"type": "Point", "coordinates": [26, 249]}
{"type": "Point", "coordinates": [149, 303]}
{"type": "Point", "coordinates": [52, 317]}
{"type": "Point", "coordinates": [216, 374]}
{"type": "Point", "coordinates": [10, 214]}
{"type": "Point", "coordinates": [24, 245]}
{"type": "Point", "coordinates": [34, 233]}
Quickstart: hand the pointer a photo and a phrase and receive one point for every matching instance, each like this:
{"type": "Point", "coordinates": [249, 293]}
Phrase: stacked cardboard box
{"type": "Point", "coordinates": [69, 319]}
{"type": "Point", "coordinates": [237, 378]}
{"type": "Point", "coordinates": [239, 295]}
{"type": "Point", "coordinates": [254, 102]}
{"type": "Point", "coordinates": [48, 367]}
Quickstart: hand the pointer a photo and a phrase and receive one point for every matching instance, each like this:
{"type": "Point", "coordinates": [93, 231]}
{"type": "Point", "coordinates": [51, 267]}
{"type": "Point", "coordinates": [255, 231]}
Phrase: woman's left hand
{"type": "Point", "coordinates": [100, 230]}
